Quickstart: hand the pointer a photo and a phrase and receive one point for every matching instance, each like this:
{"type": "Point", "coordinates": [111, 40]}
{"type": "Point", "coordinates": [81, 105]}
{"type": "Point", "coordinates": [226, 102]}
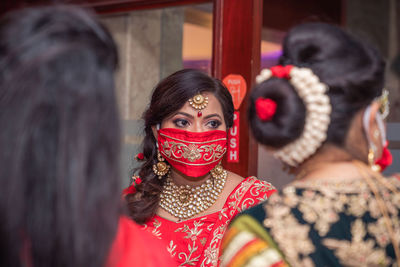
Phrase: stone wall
{"type": "Point", "coordinates": [150, 48]}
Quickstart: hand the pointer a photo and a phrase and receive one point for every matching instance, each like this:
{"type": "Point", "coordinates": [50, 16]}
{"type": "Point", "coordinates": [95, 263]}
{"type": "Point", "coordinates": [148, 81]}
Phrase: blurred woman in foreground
{"type": "Point", "coordinates": [59, 146]}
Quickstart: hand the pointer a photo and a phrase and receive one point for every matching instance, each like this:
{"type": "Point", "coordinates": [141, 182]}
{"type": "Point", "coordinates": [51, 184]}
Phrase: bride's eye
{"type": "Point", "coordinates": [214, 124]}
{"type": "Point", "coordinates": [181, 123]}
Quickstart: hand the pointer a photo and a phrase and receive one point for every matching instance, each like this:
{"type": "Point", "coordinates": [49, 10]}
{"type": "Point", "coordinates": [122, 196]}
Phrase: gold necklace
{"type": "Point", "coordinates": [184, 201]}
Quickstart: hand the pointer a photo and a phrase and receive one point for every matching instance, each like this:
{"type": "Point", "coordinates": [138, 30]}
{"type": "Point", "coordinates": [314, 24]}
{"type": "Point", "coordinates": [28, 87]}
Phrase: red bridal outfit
{"type": "Point", "coordinates": [133, 247]}
{"type": "Point", "coordinates": [196, 241]}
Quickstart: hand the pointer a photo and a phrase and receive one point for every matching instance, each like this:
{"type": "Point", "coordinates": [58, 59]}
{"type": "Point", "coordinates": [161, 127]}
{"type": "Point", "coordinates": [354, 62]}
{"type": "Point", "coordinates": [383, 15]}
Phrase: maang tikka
{"type": "Point", "coordinates": [199, 102]}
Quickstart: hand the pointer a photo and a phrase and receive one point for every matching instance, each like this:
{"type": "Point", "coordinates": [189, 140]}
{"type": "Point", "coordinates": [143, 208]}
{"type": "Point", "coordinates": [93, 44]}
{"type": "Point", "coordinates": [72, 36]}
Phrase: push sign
{"type": "Point", "coordinates": [236, 85]}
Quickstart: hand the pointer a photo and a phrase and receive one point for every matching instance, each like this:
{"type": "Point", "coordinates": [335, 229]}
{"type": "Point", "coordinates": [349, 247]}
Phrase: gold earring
{"type": "Point", "coordinates": [371, 161]}
{"type": "Point", "coordinates": [161, 168]}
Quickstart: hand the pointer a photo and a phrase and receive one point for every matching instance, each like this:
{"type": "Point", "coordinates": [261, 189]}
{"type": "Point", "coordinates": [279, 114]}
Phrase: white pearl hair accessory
{"type": "Point", "coordinates": [318, 109]}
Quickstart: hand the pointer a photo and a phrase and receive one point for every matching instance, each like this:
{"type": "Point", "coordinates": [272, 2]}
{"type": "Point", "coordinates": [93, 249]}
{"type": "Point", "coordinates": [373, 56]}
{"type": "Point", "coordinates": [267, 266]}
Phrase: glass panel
{"type": "Point", "coordinates": [197, 37]}
{"type": "Point", "coordinates": [270, 47]}
{"type": "Point", "coordinates": [152, 45]}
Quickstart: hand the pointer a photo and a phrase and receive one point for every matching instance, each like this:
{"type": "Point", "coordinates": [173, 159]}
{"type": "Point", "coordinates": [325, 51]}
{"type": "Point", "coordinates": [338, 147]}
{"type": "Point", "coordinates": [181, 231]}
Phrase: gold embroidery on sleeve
{"type": "Point", "coordinates": [357, 252]}
{"type": "Point", "coordinates": [320, 205]}
{"type": "Point", "coordinates": [291, 236]}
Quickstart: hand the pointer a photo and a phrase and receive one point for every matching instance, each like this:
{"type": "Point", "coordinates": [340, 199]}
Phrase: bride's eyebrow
{"type": "Point", "coordinates": [183, 114]}
{"type": "Point", "coordinates": [213, 115]}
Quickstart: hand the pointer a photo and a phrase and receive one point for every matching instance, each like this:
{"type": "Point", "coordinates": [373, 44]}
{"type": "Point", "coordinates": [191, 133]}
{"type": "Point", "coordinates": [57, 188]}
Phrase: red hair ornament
{"type": "Point", "coordinates": [313, 93]}
{"type": "Point", "coordinates": [282, 72]}
{"type": "Point", "coordinates": [132, 188]}
{"type": "Point", "coordinates": [265, 108]}
{"type": "Point", "coordinates": [139, 156]}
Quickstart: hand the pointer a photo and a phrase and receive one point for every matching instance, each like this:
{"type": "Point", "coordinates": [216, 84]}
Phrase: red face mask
{"type": "Point", "coordinates": [193, 154]}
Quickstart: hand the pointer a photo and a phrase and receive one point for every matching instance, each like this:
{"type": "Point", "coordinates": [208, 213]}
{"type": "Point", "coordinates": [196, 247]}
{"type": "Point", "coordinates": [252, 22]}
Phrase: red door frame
{"type": "Point", "coordinates": [237, 50]}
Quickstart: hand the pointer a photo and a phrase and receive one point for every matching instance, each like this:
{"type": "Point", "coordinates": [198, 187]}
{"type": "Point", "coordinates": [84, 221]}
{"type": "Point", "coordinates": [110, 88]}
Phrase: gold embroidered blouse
{"type": "Point", "coordinates": [316, 224]}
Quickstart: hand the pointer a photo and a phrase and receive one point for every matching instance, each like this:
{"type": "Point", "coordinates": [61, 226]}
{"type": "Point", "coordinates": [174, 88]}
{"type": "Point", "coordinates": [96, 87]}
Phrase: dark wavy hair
{"type": "Point", "coordinates": [352, 69]}
{"type": "Point", "coordinates": [168, 97]}
{"type": "Point", "coordinates": [59, 139]}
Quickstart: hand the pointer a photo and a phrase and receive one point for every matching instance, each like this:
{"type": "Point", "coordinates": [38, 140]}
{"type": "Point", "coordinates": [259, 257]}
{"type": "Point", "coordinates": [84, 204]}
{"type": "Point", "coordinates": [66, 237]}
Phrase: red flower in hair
{"type": "Point", "coordinates": [140, 156]}
{"type": "Point", "coordinates": [281, 71]}
{"type": "Point", "coordinates": [265, 108]}
{"type": "Point", "coordinates": [129, 190]}
{"type": "Point", "coordinates": [132, 188]}
{"type": "Point", "coordinates": [137, 180]}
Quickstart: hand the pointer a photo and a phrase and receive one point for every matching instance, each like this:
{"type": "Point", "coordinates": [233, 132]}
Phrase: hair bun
{"type": "Point", "coordinates": [287, 121]}
{"type": "Point", "coordinates": [353, 71]}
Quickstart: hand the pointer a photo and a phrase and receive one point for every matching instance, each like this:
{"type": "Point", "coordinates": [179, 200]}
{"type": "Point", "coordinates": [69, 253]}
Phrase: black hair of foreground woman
{"type": "Point", "coordinates": [321, 112]}
{"type": "Point", "coordinates": [60, 144]}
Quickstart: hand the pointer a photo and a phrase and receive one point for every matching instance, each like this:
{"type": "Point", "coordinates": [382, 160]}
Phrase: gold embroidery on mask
{"type": "Point", "coordinates": [193, 142]}
{"type": "Point", "coordinates": [192, 152]}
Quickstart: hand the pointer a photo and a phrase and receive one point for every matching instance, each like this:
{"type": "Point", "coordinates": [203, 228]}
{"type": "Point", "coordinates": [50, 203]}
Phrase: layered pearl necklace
{"type": "Point", "coordinates": [184, 202]}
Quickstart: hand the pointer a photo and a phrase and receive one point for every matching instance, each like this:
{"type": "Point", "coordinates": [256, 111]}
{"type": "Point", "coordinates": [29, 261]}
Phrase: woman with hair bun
{"type": "Point", "coordinates": [321, 113]}
{"type": "Point", "coordinates": [183, 195]}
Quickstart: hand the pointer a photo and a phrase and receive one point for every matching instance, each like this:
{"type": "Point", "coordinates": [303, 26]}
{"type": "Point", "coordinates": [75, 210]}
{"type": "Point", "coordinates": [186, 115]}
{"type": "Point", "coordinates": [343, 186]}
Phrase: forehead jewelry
{"type": "Point", "coordinates": [199, 102]}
